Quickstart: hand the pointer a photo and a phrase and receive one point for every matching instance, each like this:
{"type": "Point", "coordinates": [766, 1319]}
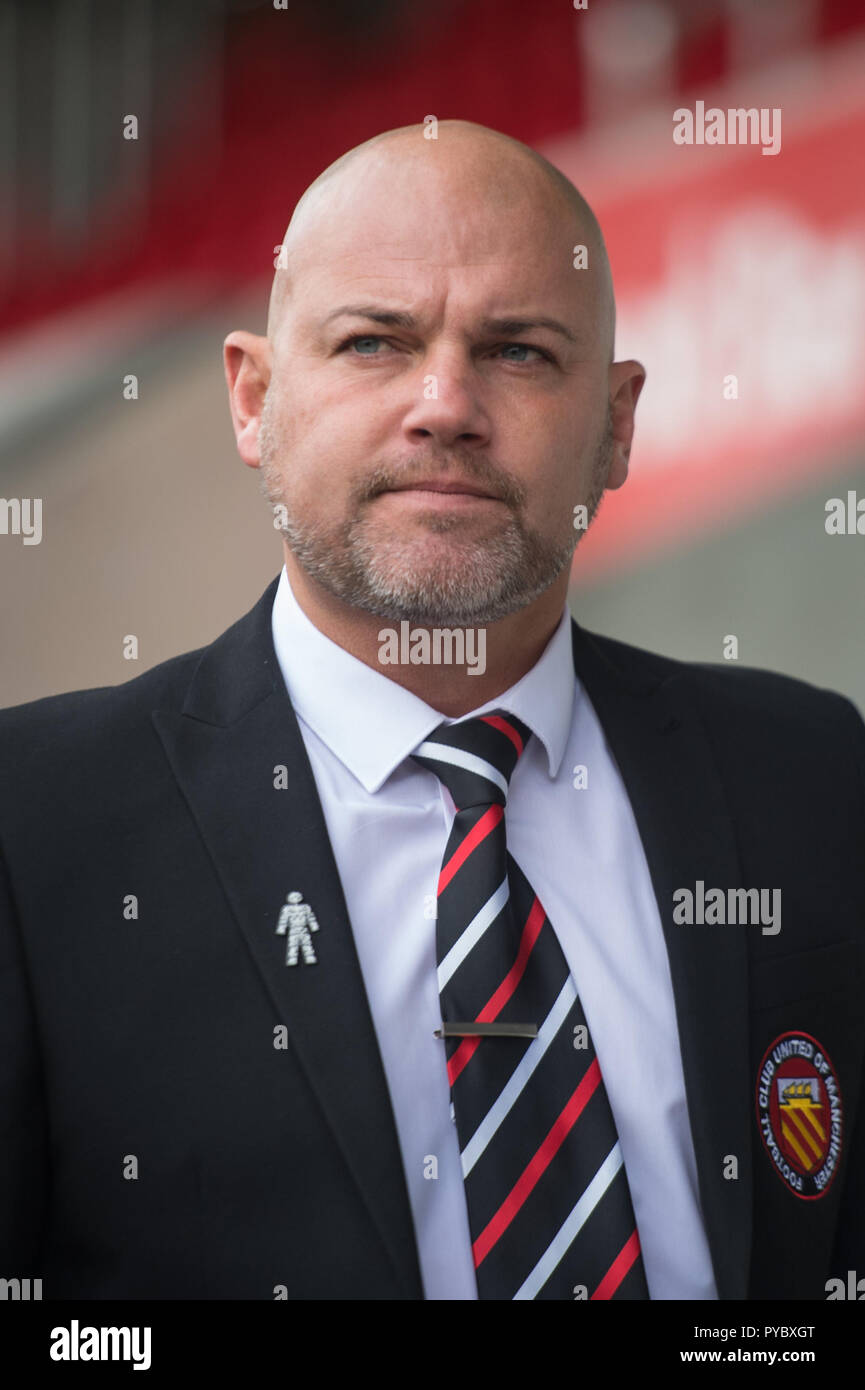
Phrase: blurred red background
{"type": "Point", "coordinates": [122, 255]}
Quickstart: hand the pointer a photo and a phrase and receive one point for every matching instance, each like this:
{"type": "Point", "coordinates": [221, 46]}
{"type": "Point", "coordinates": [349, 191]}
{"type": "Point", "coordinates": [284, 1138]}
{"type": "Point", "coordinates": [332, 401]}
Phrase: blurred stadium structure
{"type": "Point", "coordinates": [127, 256]}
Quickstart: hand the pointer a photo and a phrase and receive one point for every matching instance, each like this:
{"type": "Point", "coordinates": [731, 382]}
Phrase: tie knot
{"type": "Point", "coordinates": [476, 757]}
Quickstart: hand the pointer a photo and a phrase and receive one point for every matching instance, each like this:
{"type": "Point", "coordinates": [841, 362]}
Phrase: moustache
{"type": "Point", "coordinates": [489, 479]}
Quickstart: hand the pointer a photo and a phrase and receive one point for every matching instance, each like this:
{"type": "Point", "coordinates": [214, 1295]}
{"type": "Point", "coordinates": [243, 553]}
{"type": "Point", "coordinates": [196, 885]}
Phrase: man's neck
{"type": "Point", "coordinates": [454, 669]}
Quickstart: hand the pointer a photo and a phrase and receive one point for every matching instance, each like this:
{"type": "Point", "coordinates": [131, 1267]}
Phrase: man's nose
{"type": "Point", "coordinates": [447, 406]}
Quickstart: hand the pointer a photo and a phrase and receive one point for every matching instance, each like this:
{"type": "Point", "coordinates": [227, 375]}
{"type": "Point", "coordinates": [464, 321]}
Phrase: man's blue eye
{"type": "Point", "coordinates": [520, 347]}
{"type": "Point", "coordinates": [358, 344]}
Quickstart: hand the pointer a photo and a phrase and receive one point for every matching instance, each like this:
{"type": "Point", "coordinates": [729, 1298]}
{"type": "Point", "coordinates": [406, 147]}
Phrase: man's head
{"type": "Point", "coordinates": [433, 323]}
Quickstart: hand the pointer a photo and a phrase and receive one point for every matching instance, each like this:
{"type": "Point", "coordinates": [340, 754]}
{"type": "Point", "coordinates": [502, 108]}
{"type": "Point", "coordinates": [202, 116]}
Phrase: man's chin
{"type": "Point", "coordinates": [449, 599]}
{"type": "Point", "coordinates": [425, 614]}
{"type": "Point", "coordinates": [435, 579]}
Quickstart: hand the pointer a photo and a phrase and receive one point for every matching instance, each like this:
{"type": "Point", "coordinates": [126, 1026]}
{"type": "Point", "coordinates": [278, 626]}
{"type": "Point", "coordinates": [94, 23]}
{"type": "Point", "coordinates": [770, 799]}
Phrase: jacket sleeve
{"type": "Point", "coordinates": [23, 1117]}
{"type": "Point", "coordinates": [849, 1252]}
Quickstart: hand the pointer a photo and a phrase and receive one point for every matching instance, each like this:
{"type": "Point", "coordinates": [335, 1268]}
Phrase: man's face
{"type": "Point", "coordinates": [402, 367]}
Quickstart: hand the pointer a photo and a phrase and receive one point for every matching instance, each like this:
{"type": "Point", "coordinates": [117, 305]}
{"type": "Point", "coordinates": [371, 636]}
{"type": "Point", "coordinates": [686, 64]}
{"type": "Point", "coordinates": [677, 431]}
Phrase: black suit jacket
{"type": "Point", "coordinates": [157, 1144]}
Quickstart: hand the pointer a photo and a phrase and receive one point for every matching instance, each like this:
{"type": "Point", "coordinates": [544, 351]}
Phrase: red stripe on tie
{"type": "Point", "coordinates": [619, 1268]}
{"type": "Point", "coordinates": [491, 1010]}
{"type": "Point", "coordinates": [531, 932]}
{"type": "Point", "coordinates": [487, 823]}
{"type": "Point", "coordinates": [464, 1053]}
{"type": "Point", "coordinates": [537, 1165]}
{"type": "Point", "coordinates": [504, 728]}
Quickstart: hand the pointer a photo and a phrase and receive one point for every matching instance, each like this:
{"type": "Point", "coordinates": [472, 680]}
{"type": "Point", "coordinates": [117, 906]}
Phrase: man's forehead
{"type": "Point", "coordinates": [415, 296]}
{"type": "Point", "coordinates": [482, 295]}
{"type": "Point", "coordinates": [404, 222]}
{"type": "Point", "coordinates": [438, 231]}
{"type": "Point", "coordinates": [434, 242]}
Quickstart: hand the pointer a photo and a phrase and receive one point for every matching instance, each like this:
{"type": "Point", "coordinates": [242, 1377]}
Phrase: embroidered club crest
{"type": "Point", "coordinates": [799, 1113]}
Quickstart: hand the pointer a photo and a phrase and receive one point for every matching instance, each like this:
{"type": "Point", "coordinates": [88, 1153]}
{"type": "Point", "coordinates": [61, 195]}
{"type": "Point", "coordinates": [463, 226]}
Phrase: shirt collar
{"type": "Point", "coordinates": [387, 722]}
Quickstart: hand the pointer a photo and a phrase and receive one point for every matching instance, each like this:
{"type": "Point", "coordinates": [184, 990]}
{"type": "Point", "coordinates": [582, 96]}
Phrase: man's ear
{"type": "Point", "coordinates": [248, 362]}
{"type": "Point", "coordinates": [625, 383]}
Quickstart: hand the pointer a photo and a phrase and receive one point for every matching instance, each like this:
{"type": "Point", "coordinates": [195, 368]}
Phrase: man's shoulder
{"type": "Point", "coordinates": [76, 716]}
{"type": "Point", "coordinates": [746, 695]}
{"type": "Point", "coordinates": [95, 717]}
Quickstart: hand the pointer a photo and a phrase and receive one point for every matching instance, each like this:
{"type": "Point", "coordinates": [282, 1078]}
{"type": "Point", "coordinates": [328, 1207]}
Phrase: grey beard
{"type": "Point", "coordinates": [476, 584]}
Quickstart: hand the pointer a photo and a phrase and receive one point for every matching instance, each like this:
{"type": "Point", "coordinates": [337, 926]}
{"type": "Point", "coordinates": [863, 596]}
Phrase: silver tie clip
{"type": "Point", "coordinates": [487, 1030]}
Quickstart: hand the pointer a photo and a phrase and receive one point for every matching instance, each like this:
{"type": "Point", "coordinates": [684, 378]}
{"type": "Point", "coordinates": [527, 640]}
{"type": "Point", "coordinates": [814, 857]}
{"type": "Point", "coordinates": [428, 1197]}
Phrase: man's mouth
{"type": "Point", "coordinates": [450, 487]}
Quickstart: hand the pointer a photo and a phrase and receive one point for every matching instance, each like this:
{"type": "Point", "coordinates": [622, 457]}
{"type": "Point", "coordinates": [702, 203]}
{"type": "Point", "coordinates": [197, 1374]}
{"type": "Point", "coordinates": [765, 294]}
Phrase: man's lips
{"type": "Point", "coordinates": [446, 485]}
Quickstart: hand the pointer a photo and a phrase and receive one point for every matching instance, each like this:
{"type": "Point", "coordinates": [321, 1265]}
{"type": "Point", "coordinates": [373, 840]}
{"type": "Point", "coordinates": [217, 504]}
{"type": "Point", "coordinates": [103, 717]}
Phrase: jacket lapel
{"type": "Point", "coordinates": [660, 746]}
{"type": "Point", "coordinates": [236, 729]}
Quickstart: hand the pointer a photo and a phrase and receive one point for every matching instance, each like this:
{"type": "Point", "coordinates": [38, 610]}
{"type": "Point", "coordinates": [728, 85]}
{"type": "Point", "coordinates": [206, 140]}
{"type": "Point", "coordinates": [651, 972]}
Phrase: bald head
{"type": "Point", "coordinates": [468, 164]}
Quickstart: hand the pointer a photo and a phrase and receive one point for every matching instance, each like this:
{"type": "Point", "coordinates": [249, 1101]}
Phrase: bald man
{"type": "Point", "coordinates": [582, 1015]}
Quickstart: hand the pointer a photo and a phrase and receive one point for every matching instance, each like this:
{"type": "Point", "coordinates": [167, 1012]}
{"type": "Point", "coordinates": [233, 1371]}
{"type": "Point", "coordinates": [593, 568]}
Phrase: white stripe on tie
{"type": "Point", "coordinates": [567, 1233]}
{"type": "Point", "coordinates": [473, 933]}
{"type": "Point", "coordinates": [457, 757]}
{"type": "Point", "coordinates": [533, 1054]}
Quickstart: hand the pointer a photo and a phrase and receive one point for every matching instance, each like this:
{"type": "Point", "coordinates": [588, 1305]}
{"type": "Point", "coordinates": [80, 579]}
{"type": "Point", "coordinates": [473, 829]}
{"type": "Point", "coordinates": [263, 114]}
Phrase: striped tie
{"type": "Point", "coordinates": [548, 1202]}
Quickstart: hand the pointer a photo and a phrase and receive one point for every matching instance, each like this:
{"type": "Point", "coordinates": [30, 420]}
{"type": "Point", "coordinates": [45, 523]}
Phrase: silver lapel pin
{"type": "Point", "coordinates": [296, 921]}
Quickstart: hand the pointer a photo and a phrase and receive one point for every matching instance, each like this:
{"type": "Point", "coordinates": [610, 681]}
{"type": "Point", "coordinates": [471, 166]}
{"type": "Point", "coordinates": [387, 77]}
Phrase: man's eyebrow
{"type": "Point", "coordinates": [392, 318]}
{"type": "Point", "coordinates": [514, 326]}
{"type": "Point", "coordinates": [397, 318]}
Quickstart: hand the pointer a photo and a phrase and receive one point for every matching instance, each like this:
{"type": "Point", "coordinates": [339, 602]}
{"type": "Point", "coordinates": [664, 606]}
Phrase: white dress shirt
{"type": "Point", "coordinates": [389, 821]}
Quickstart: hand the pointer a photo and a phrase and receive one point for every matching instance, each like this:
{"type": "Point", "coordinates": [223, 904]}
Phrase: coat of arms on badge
{"type": "Point", "coordinates": [799, 1113]}
{"type": "Point", "coordinates": [296, 921]}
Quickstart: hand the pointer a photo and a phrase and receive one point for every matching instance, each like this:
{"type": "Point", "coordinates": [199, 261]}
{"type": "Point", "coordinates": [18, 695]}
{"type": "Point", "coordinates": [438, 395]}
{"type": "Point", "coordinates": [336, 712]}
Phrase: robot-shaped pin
{"type": "Point", "coordinates": [296, 921]}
